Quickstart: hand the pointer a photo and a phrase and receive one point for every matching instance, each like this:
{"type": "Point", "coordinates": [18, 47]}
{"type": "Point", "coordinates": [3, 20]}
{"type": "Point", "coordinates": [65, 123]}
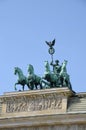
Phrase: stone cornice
{"type": "Point", "coordinates": [65, 91]}
{"type": "Point", "coordinates": [55, 119]}
{"type": "Point", "coordinates": [82, 94]}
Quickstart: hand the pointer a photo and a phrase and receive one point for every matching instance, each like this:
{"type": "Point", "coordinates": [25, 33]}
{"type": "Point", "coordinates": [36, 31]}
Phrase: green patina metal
{"type": "Point", "coordinates": [51, 79]}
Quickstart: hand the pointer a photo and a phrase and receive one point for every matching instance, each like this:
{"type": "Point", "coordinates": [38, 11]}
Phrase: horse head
{"type": "Point", "coordinates": [17, 70]}
{"type": "Point", "coordinates": [33, 79]}
{"type": "Point", "coordinates": [30, 69]}
{"type": "Point", "coordinates": [64, 63]}
{"type": "Point", "coordinates": [47, 67]}
{"type": "Point", "coordinates": [47, 74]}
{"type": "Point", "coordinates": [21, 78]}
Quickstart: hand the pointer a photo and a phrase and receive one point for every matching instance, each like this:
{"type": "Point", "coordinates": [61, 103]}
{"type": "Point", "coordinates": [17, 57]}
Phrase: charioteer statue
{"type": "Point", "coordinates": [56, 67]}
{"type": "Point", "coordinates": [51, 79]}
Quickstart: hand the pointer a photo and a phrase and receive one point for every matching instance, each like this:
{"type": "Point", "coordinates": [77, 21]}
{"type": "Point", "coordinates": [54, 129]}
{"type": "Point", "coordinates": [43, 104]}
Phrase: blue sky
{"type": "Point", "coordinates": [25, 25]}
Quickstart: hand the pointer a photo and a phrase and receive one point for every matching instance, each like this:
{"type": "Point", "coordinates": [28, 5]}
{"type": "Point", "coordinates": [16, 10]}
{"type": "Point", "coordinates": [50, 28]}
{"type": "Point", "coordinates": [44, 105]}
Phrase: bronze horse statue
{"type": "Point", "coordinates": [33, 79]}
{"type": "Point", "coordinates": [64, 77]}
{"type": "Point", "coordinates": [51, 77]}
{"type": "Point", "coordinates": [22, 80]}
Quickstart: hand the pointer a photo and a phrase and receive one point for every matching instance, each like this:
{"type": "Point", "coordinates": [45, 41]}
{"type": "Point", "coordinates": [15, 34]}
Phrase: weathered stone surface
{"type": "Point", "coordinates": [47, 109]}
{"type": "Point", "coordinates": [37, 102]}
{"type": "Point", "coordinates": [48, 122]}
{"type": "Point", "coordinates": [77, 104]}
{"type": "Point", "coordinates": [59, 127]}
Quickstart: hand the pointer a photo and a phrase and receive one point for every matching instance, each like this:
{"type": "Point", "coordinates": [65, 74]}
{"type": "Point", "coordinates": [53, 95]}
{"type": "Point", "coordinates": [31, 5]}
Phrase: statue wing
{"type": "Point", "coordinates": [47, 43]}
{"type": "Point", "coordinates": [53, 42]}
{"type": "Point", "coordinates": [50, 44]}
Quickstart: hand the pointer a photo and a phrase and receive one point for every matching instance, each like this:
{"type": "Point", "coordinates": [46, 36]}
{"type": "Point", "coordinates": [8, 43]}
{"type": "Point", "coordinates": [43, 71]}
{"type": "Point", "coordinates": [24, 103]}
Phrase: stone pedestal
{"type": "Point", "coordinates": [39, 110]}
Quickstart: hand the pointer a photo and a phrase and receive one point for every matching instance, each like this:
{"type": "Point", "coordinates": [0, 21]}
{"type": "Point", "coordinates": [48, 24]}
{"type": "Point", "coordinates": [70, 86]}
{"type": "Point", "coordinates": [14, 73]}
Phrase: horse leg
{"type": "Point", "coordinates": [64, 81]}
{"type": "Point", "coordinates": [28, 84]}
{"type": "Point", "coordinates": [23, 87]}
{"type": "Point", "coordinates": [69, 84]}
{"type": "Point", "coordinates": [15, 86]}
{"type": "Point", "coordinates": [31, 86]}
{"type": "Point", "coordinates": [61, 81]}
{"type": "Point", "coordinates": [36, 86]}
{"type": "Point", "coordinates": [40, 84]}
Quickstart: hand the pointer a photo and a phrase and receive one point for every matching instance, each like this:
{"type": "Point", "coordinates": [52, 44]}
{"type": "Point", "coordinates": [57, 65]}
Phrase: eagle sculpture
{"type": "Point", "coordinates": [50, 44]}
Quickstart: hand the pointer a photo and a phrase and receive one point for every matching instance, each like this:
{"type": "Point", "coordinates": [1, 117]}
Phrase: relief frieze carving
{"type": "Point", "coordinates": [34, 103]}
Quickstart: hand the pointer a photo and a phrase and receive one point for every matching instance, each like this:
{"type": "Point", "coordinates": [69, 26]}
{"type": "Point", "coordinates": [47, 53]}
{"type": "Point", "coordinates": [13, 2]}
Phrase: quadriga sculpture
{"type": "Point", "coordinates": [51, 79]}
